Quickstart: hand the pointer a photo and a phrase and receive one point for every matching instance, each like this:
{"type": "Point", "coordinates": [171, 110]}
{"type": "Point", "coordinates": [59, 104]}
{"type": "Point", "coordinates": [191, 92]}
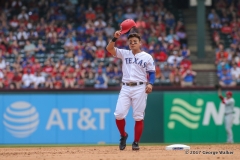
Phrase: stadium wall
{"type": "Point", "coordinates": [87, 117]}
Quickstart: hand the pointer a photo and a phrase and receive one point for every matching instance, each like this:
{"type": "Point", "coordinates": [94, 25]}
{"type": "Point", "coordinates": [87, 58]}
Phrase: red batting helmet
{"type": "Point", "coordinates": [229, 93]}
{"type": "Point", "coordinates": [126, 25]}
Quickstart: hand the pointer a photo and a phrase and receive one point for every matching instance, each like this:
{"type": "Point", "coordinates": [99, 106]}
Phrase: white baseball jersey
{"type": "Point", "coordinates": [229, 105]}
{"type": "Point", "coordinates": [135, 67]}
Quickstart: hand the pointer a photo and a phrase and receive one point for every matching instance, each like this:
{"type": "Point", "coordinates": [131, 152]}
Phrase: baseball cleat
{"type": "Point", "coordinates": [135, 146]}
{"type": "Point", "coordinates": [123, 140]}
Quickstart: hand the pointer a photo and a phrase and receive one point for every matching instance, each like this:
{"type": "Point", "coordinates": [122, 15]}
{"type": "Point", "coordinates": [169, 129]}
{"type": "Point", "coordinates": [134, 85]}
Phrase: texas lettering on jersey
{"type": "Point", "coordinates": [136, 61]}
{"type": "Point", "coordinates": [135, 67]}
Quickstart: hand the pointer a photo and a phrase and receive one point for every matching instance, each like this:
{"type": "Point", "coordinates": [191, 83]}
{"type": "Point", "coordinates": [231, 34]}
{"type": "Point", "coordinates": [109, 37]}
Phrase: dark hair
{"type": "Point", "coordinates": [134, 35]}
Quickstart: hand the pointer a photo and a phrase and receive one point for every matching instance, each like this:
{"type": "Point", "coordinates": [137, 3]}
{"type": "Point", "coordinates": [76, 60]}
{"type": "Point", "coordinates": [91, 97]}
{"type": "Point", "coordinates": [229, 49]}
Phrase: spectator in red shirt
{"type": "Point", "coordinates": [17, 80]}
{"type": "Point", "coordinates": [14, 22]}
{"type": "Point", "coordinates": [36, 65]}
{"type": "Point", "coordinates": [226, 29]}
{"type": "Point", "coordinates": [159, 55]}
{"type": "Point", "coordinates": [90, 15]}
{"type": "Point", "coordinates": [48, 68]}
{"type": "Point", "coordinates": [9, 73]}
{"type": "Point", "coordinates": [100, 53]}
{"type": "Point", "coordinates": [220, 56]}
{"type": "Point", "coordinates": [186, 64]}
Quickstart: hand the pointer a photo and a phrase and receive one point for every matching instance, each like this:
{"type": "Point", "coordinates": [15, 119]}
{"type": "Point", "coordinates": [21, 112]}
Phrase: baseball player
{"type": "Point", "coordinates": [135, 86]}
{"type": "Point", "coordinates": [229, 103]}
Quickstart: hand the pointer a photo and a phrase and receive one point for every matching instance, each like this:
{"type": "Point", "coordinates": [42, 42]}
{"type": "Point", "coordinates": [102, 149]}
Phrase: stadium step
{"type": "Point", "coordinates": [204, 66]}
{"type": "Point", "coordinates": [206, 78]}
{"type": "Point", "coordinates": [208, 59]}
{"type": "Point", "coordinates": [190, 16]}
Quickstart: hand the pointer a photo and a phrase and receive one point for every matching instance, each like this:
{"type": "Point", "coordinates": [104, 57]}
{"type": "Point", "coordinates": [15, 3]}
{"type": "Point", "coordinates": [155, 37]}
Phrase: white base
{"type": "Point", "coordinates": [178, 147]}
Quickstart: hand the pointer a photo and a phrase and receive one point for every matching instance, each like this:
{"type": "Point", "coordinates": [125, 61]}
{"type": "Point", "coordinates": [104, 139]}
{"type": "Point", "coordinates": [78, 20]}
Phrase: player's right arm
{"type": "Point", "coordinates": [110, 47]}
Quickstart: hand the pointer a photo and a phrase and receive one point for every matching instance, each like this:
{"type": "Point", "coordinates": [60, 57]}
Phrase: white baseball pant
{"type": "Point", "coordinates": [228, 120]}
{"type": "Point", "coordinates": [134, 96]}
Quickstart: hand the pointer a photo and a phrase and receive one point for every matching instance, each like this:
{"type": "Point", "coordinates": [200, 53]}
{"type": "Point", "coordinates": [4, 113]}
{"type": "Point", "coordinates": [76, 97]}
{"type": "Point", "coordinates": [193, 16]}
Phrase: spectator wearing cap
{"type": "Point", "coordinates": [101, 80]}
{"type": "Point", "coordinates": [226, 79]}
{"type": "Point", "coordinates": [188, 78]}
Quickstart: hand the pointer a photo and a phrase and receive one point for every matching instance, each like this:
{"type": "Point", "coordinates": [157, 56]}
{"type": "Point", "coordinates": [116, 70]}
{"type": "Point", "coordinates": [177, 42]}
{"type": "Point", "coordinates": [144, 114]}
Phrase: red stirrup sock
{"type": "Point", "coordinates": [121, 126]}
{"type": "Point", "coordinates": [138, 130]}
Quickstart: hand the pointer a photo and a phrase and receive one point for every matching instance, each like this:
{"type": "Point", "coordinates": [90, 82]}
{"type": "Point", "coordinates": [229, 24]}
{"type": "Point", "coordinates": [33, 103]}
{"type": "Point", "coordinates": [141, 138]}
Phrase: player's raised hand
{"type": "Point", "coordinates": [148, 88]}
{"type": "Point", "coordinates": [117, 34]}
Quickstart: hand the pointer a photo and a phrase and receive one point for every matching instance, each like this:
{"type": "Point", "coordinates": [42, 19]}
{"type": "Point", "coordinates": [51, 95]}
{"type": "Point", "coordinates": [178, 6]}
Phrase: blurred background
{"type": "Point", "coordinates": [57, 80]}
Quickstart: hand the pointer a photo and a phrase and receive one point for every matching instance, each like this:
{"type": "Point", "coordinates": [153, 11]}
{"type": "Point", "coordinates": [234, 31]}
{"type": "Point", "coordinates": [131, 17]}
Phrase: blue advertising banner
{"type": "Point", "coordinates": [54, 118]}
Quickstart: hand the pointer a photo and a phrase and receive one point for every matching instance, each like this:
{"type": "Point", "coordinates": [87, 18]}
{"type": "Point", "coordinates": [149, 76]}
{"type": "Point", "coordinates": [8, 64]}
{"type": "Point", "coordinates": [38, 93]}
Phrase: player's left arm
{"type": "Point", "coordinates": [151, 72]}
{"type": "Point", "coordinates": [220, 95]}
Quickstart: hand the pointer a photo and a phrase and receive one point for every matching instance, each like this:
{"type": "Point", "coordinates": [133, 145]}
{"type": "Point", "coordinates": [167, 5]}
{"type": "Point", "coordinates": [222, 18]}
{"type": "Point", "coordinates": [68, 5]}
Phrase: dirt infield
{"type": "Point", "coordinates": [155, 152]}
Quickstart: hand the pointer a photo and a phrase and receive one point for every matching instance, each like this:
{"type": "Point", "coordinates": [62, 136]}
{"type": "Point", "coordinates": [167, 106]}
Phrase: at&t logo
{"type": "Point", "coordinates": [21, 119]}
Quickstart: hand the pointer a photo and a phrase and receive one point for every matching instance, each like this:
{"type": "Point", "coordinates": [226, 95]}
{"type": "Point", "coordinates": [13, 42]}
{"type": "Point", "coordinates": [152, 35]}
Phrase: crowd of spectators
{"type": "Point", "coordinates": [224, 19]}
{"type": "Point", "coordinates": [61, 43]}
